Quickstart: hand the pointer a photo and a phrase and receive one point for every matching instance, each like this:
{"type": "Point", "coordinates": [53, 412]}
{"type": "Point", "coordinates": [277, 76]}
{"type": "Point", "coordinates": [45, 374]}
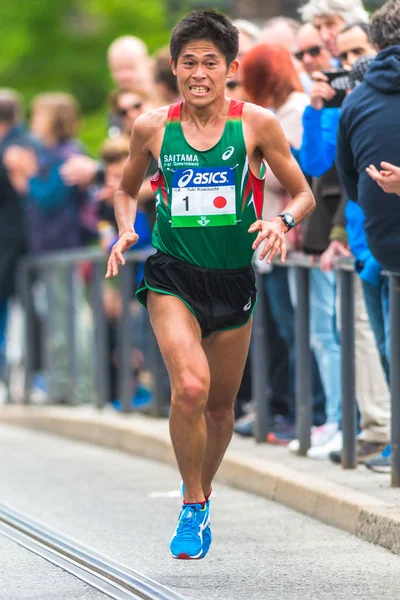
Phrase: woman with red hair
{"type": "Point", "coordinates": [270, 80]}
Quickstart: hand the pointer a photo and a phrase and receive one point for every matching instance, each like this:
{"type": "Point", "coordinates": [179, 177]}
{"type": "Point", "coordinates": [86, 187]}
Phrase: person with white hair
{"type": "Point", "coordinates": [330, 16]}
{"type": "Point", "coordinates": [280, 31]}
{"type": "Point", "coordinates": [249, 34]}
{"type": "Point", "coordinates": [129, 62]}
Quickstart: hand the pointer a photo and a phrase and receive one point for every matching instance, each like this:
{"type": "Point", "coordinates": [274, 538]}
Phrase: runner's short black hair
{"type": "Point", "coordinates": [206, 25]}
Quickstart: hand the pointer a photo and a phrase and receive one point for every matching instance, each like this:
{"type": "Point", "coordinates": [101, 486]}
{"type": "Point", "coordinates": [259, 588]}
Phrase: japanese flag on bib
{"type": "Point", "coordinates": [203, 197]}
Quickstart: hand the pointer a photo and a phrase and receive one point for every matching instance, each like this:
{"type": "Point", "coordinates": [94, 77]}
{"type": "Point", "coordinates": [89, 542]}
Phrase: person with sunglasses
{"type": "Point", "coordinates": [126, 106]}
{"type": "Point", "coordinates": [311, 53]}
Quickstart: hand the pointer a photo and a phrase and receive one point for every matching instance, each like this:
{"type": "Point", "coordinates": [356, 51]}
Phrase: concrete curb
{"type": "Point", "coordinates": [365, 516]}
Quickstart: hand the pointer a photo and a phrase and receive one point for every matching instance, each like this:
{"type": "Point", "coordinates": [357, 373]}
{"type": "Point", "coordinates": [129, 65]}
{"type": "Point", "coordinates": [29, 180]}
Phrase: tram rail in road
{"type": "Point", "coordinates": [97, 570]}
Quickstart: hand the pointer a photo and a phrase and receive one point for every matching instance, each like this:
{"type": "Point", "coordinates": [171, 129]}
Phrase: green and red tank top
{"type": "Point", "coordinates": [206, 200]}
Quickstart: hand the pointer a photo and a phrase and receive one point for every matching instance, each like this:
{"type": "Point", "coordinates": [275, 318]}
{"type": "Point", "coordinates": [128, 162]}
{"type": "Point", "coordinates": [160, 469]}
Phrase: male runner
{"type": "Point", "coordinates": [199, 287]}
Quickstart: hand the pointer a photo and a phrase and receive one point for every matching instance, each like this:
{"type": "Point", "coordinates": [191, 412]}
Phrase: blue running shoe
{"type": "Point", "coordinates": [207, 535]}
{"type": "Point", "coordinates": [187, 542]}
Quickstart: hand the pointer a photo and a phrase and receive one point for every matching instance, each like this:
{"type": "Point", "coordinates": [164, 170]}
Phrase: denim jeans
{"type": "Point", "coordinates": [324, 339]}
{"type": "Point", "coordinates": [386, 314]}
{"type": "Point", "coordinates": [277, 289]}
{"type": "Point", "coordinates": [3, 331]}
{"type": "Point", "coordinates": [376, 305]}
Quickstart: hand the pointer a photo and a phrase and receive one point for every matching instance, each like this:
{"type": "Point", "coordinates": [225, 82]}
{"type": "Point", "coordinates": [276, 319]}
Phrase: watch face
{"type": "Point", "coordinates": [289, 219]}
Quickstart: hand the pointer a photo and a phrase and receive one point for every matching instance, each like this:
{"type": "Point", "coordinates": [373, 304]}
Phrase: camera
{"type": "Point", "coordinates": [340, 88]}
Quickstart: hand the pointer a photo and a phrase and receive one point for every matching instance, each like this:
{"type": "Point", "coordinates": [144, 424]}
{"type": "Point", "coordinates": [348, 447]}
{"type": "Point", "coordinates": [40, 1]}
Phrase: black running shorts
{"type": "Point", "coordinates": [219, 299]}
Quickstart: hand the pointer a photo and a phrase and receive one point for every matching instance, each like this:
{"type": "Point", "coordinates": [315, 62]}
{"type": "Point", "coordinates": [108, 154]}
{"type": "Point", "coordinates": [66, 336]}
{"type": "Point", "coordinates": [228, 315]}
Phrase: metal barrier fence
{"type": "Point", "coordinates": [261, 391]}
{"type": "Point", "coordinates": [68, 261]}
{"type": "Point", "coordinates": [303, 396]}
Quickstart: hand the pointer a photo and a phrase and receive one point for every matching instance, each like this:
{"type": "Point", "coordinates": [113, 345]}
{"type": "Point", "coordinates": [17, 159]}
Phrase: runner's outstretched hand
{"type": "Point", "coordinates": [126, 241]}
{"type": "Point", "coordinates": [274, 232]}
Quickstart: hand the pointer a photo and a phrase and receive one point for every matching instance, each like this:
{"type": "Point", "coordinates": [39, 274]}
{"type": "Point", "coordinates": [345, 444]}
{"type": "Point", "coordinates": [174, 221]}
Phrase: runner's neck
{"type": "Point", "coordinates": [201, 117]}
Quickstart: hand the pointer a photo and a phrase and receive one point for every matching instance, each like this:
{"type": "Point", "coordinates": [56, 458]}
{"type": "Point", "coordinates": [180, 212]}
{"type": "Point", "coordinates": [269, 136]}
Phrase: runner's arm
{"type": "Point", "coordinates": [126, 197]}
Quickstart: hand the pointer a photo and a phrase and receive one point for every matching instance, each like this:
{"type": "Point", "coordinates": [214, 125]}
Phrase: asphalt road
{"type": "Point", "coordinates": [26, 576]}
{"type": "Point", "coordinates": [127, 508]}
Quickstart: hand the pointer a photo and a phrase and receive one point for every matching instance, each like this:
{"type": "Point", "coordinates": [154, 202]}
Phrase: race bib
{"type": "Point", "coordinates": [203, 197]}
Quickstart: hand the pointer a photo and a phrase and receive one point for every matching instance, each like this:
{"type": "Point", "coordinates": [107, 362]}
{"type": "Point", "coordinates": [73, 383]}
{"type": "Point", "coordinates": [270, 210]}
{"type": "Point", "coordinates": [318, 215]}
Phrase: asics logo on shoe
{"type": "Point", "coordinates": [228, 152]}
{"type": "Point", "coordinates": [247, 306]}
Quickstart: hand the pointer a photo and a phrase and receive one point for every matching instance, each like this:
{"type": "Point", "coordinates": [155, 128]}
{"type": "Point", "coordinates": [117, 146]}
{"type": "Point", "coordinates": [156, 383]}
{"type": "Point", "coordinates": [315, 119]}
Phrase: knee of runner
{"type": "Point", "coordinates": [219, 415]}
{"type": "Point", "coordinates": [190, 392]}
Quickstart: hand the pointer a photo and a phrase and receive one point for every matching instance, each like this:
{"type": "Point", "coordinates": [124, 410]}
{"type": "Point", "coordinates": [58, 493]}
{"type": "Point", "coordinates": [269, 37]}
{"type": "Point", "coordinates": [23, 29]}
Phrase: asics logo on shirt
{"type": "Point", "coordinates": [197, 177]}
{"type": "Point", "coordinates": [228, 152]}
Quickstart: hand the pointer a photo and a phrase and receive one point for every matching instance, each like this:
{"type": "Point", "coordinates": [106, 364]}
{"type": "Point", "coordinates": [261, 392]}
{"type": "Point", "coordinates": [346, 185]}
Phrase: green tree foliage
{"type": "Point", "coordinates": [61, 45]}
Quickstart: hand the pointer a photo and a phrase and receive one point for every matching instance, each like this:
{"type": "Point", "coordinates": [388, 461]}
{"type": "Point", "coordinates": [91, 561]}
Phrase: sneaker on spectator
{"type": "Point", "coordinates": [364, 451]}
{"type": "Point", "coordinates": [323, 451]}
{"type": "Point", "coordinates": [382, 463]}
{"type": "Point", "coordinates": [320, 436]}
{"type": "Point", "coordinates": [283, 431]}
{"type": "Point", "coordinates": [245, 425]}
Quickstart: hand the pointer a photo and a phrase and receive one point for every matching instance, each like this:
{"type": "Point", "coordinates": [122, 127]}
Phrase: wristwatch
{"type": "Point", "coordinates": [288, 220]}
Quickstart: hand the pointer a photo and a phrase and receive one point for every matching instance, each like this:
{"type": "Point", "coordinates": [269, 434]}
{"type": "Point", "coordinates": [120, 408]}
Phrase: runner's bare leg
{"type": "Point", "coordinates": [226, 353]}
{"type": "Point", "coordinates": [179, 338]}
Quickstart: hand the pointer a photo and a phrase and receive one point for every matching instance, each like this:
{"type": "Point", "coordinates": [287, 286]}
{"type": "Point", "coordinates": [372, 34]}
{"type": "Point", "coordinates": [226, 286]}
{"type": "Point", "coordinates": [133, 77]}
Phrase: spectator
{"type": "Point", "coordinates": [248, 36]}
{"type": "Point", "coordinates": [370, 115]}
{"type": "Point", "coordinates": [52, 211]}
{"type": "Point", "coordinates": [127, 105]}
{"type": "Point", "coordinates": [114, 153]}
{"type": "Point", "coordinates": [330, 16]}
{"type": "Point", "coordinates": [388, 177]}
{"type": "Point", "coordinates": [52, 207]}
{"type": "Point", "coordinates": [83, 171]}
{"type": "Point", "coordinates": [280, 31]}
{"type": "Point", "coordinates": [320, 128]}
{"type": "Point", "coordinates": [270, 80]}
{"type": "Point", "coordinates": [130, 68]}
{"type": "Point", "coordinates": [164, 79]}
{"type": "Point", "coordinates": [129, 63]}
{"type": "Point", "coordinates": [253, 69]}
{"type": "Point", "coordinates": [311, 53]}
{"type": "Point", "coordinates": [12, 238]}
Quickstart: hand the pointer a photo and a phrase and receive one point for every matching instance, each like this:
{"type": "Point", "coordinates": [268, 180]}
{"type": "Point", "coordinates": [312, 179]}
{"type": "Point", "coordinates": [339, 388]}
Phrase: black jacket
{"type": "Point", "coordinates": [369, 132]}
{"type": "Point", "coordinates": [329, 211]}
{"type": "Point", "coordinates": [12, 226]}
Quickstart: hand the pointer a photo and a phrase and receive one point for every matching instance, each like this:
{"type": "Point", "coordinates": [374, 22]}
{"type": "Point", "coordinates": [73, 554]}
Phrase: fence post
{"type": "Point", "coordinates": [25, 291]}
{"type": "Point", "coordinates": [102, 360]}
{"type": "Point", "coordinates": [69, 274]}
{"type": "Point", "coordinates": [303, 361]}
{"type": "Point", "coordinates": [48, 276]}
{"type": "Point", "coordinates": [158, 404]}
{"type": "Point", "coordinates": [127, 274]}
{"type": "Point", "coordinates": [349, 408]}
{"type": "Point", "coordinates": [260, 384]}
{"type": "Point", "coordinates": [394, 303]}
